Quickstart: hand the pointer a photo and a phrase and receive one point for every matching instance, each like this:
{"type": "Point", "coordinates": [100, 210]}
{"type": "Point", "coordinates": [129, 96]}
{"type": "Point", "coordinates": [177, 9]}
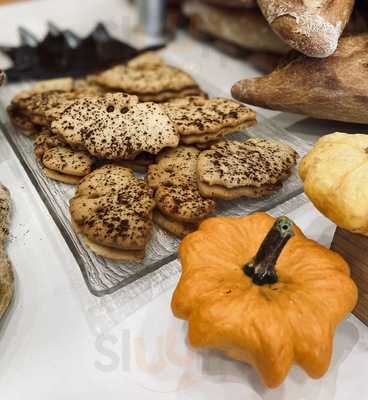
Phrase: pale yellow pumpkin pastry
{"type": "Point", "coordinates": [335, 175]}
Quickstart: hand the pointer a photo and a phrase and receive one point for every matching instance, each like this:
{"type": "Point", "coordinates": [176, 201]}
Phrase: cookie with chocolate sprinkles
{"type": "Point", "coordinates": [140, 163]}
{"type": "Point", "coordinates": [59, 162]}
{"type": "Point", "coordinates": [54, 85]}
{"type": "Point", "coordinates": [44, 141]}
{"type": "Point", "coordinates": [201, 120]}
{"type": "Point", "coordinates": [36, 106]}
{"type": "Point", "coordinates": [67, 161]}
{"type": "Point", "coordinates": [112, 209]}
{"type": "Point", "coordinates": [179, 229]}
{"type": "Point", "coordinates": [116, 128]}
{"type": "Point", "coordinates": [90, 116]}
{"type": "Point", "coordinates": [83, 87]}
{"type": "Point", "coordinates": [254, 168]}
{"type": "Point", "coordinates": [22, 121]}
{"type": "Point", "coordinates": [175, 183]}
{"type": "Point", "coordinates": [147, 60]}
{"type": "Point", "coordinates": [59, 177]}
{"type": "Point", "coordinates": [150, 81]}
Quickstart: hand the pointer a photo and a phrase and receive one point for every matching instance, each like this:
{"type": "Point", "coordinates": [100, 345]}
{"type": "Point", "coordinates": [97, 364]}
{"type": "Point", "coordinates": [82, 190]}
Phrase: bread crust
{"type": "Point", "coordinates": [312, 27]}
{"type": "Point", "coordinates": [335, 88]}
{"type": "Point", "coordinates": [245, 28]}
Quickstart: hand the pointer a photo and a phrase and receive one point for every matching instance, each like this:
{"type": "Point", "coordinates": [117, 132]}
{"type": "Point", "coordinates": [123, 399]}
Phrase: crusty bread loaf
{"type": "Point", "coordinates": [312, 27]}
{"type": "Point", "coordinates": [334, 88]}
{"type": "Point", "coordinates": [246, 28]}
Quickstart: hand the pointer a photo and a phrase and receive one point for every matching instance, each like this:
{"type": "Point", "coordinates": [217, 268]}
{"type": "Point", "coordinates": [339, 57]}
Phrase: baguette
{"type": "Point", "coordinates": [312, 27]}
{"type": "Point", "coordinates": [245, 28]}
{"type": "Point", "coordinates": [334, 88]}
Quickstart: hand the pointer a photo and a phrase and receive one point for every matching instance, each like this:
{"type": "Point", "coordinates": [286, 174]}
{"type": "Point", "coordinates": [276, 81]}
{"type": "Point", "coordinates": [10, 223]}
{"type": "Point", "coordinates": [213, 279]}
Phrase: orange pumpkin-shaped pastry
{"type": "Point", "coordinates": [257, 289]}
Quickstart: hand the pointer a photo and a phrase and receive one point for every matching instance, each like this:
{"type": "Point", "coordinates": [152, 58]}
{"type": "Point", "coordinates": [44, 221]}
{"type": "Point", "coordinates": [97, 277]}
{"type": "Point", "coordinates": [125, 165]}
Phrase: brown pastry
{"type": "Point", "coordinates": [149, 79]}
{"type": "Point", "coordinates": [311, 27]}
{"type": "Point", "coordinates": [116, 127]}
{"type": "Point", "coordinates": [112, 209]}
{"type": "Point", "coordinates": [254, 168]}
{"type": "Point", "coordinates": [176, 228]}
{"type": "Point", "coordinates": [39, 106]}
{"type": "Point", "coordinates": [59, 162]}
{"type": "Point", "coordinates": [22, 121]}
{"type": "Point", "coordinates": [247, 29]}
{"type": "Point", "coordinates": [334, 88]}
{"type": "Point", "coordinates": [46, 140]}
{"type": "Point", "coordinates": [140, 163]}
{"type": "Point", "coordinates": [180, 205]}
{"type": "Point", "coordinates": [200, 120]}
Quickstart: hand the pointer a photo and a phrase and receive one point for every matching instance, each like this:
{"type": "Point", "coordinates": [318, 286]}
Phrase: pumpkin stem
{"type": "Point", "coordinates": [262, 267]}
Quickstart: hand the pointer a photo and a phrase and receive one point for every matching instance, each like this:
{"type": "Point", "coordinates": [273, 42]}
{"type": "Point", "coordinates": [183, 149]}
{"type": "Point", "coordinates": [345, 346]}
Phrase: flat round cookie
{"type": "Point", "coordinates": [22, 122]}
{"type": "Point", "coordinates": [54, 85]}
{"type": "Point", "coordinates": [176, 228]}
{"type": "Point", "coordinates": [253, 168]}
{"type": "Point", "coordinates": [59, 177]}
{"type": "Point", "coordinates": [115, 127]}
{"type": "Point", "coordinates": [147, 60]}
{"type": "Point", "coordinates": [44, 141]}
{"type": "Point", "coordinates": [87, 114]}
{"type": "Point", "coordinates": [169, 95]}
{"type": "Point", "coordinates": [67, 161]}
{"type": "Point", "coordinates": [153, 81]}
{"type": "Point", "coordinates": [201, 120]}
{"type": "Point", "coordinates": [114, 254]}
{"type": "Point", "coordinates": [175, 183]}
{"type": "Point", "coordinates": [112, 208]}
{"type": "Point", "coordinates": [83, 87]}
{"type": "Point", "coordinates": [252, 192]}
{"type": "Point", "coordinates": [39, 106]}
{"type": "Point", "coordinates": [207, 145]}
{"type": "Point", "coordinates": [140, 163]}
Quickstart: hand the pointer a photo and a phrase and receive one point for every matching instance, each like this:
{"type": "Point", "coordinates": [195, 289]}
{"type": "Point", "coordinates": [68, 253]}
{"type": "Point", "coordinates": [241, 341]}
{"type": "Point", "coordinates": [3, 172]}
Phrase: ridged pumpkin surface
{"type": "Point", "coordinates": [270, 326]}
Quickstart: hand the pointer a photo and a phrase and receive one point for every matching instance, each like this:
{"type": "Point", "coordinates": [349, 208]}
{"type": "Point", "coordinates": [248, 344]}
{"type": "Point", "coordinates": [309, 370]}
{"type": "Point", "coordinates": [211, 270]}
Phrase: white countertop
{"type": "Point", "coordinates": [48, 348]}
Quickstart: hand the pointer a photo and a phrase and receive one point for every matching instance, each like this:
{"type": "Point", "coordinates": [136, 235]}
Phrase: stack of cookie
{"type": "Point", "coordinates": [29, 109]}
{"type": "Point", "coordinates": [252, 169]}
{"type": "Point", "coordinates": [179, 204]}
{"type": "Point", "coordinates": [94, 132]}
{"type": "Point", "coordinates": [112, 210]}
{"type": "Point", "coordinates": [59, 161]}
{"type": "Point", "coordinates": [203, 121]}
{"type": "Point", "coordinates": [149, 78]}
{"type": "Point", "coordinates": [33, 111]}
